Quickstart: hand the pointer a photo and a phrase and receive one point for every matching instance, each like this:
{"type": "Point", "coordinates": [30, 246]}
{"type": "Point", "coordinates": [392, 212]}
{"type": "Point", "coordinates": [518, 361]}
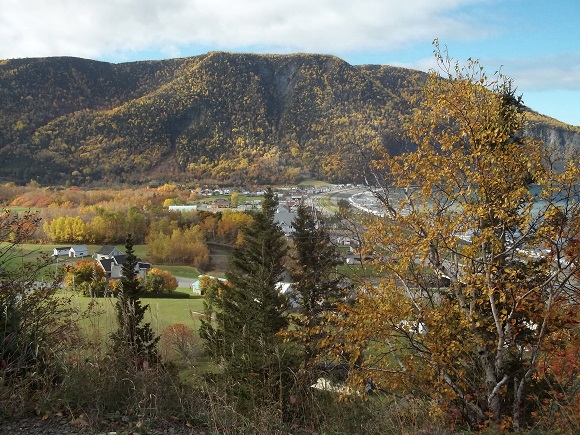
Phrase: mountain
{"type": "Point", "coordinates": [219, 117]}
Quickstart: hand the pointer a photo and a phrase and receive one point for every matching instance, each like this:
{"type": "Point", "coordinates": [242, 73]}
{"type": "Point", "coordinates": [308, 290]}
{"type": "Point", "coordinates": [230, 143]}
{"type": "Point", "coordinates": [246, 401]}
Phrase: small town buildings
{"type": "Point", "coordinates": [111, 260]}
{"type": "Point", "coordinates": [344, 241]}
{"type": "Point", "coordinates": [61, 252]}
{"type": "Point", "coordinates": [107, 251]}
{"type": "Point", "coordinates": [221, 203]}
{"type": "Point", "coordinates": [183, 208]}
{"type": "Point", "coordinates": [79, 251]}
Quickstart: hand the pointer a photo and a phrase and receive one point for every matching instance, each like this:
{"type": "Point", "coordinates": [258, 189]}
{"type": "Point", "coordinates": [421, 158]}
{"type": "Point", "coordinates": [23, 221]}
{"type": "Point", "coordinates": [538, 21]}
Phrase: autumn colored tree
{"type": "Point", "coordinates": [86, 277]}
{"type": "Point", "coordinates": [478, 217]}
{"type": "Point", "coordinates": [66, 229]}
{"type": "Point", "coordinates": [185, 246]}
{"type": "Point", "coordinates": [235, 199]}
{"type": "Point", "coordinates": [158, 280]}
{"type": "Point", "coordinates": [229, 226]}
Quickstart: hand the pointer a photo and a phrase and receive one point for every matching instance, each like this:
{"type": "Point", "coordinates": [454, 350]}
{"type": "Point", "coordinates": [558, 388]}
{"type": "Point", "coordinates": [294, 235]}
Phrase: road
{"type": "Point", "coordinates": [185, 282]}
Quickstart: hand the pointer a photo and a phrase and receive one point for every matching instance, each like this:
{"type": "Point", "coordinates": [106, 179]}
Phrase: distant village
{"type": "Point", "coordinates": [111, 259]}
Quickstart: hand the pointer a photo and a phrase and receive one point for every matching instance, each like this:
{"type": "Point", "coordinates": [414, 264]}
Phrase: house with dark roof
{"type": "Point", "coordinates": [108, 252]}
{"type": "Point", "coordinates": [111, 260]}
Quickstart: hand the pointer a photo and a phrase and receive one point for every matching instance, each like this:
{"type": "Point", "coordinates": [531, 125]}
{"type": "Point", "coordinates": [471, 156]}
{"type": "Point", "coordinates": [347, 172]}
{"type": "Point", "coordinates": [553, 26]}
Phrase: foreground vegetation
{"type": "Point", "coordinates": [466, 321]}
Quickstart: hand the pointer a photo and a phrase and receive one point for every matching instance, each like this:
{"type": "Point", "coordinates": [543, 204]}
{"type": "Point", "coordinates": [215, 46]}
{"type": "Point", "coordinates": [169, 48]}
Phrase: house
{"type": "Point", "coordinates": [284, 218]}
{"type": "Point", "coordinates": [61, 252]}
{"type": "Point", "coordinates": [221, 203]}
{"type": "Point", "coordinates": [353, 259]}
{"type": "Point", "coordinates": [344, 241]}
{"type": "Point", "coordinates": [79, 251]}
{"type": "Point", "coordinates": [105, 264]}
{"type": "Point", "coordinates": [107, 252]}
{"type": "Point", "coordinates": [196, 288]}
{"type": "Point", "coordinates": [113, 267]}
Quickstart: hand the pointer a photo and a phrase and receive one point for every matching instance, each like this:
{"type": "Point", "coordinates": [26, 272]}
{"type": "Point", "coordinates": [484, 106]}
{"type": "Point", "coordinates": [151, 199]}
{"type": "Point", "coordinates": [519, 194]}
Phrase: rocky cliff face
{"type": "Point", "coordinates": [564, 140]}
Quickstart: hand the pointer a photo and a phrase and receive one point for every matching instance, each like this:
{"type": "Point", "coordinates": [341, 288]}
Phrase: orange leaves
{"type": "Point", "coordinates": [464, 311]}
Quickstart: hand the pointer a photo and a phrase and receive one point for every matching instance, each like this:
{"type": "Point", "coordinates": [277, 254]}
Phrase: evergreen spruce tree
{"type": "Point", "coordinates": [250, 310]}
{"type": "Point", "coordinates": [133, 336]}
{"type": "Point", "coordinates": [317, 286]}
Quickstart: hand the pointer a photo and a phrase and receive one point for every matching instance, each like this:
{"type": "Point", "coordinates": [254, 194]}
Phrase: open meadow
{"type": "Point", "coordinates": [184, 308]}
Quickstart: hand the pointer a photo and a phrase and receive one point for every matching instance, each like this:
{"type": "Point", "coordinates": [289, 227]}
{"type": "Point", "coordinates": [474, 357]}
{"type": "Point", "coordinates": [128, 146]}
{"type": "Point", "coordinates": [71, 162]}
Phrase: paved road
{"type": "Point", "coordinates": [185, 282]}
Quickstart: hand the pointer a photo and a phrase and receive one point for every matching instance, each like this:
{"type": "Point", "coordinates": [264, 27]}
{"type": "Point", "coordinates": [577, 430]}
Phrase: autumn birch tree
{"type": "Point", "coordinates": [478, 217]}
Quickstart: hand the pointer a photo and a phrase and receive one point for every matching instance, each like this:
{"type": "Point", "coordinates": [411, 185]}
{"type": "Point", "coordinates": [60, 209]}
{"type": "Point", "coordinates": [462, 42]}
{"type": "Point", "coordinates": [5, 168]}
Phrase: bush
{"type": "Point", "coordinates": [160, 281]}
{"type": "Point", "coordinates": [36, 324]}
{"type": "Point", "coordinates": [179, 343]}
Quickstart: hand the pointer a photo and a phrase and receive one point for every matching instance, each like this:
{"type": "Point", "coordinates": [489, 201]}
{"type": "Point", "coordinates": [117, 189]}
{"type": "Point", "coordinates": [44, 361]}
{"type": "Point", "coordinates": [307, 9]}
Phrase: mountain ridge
{"type": "Point", "coordinates": [219, 117]}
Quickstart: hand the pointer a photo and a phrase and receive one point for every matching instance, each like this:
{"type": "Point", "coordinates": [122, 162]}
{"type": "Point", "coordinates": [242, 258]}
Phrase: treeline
{"type": "Point", "coordinates": [77, 216]}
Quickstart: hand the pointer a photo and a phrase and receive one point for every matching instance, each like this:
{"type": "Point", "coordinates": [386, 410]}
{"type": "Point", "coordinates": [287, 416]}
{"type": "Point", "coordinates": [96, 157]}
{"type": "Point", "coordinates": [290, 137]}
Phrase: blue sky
{"type": "Point", "coordinates": [535, 42]}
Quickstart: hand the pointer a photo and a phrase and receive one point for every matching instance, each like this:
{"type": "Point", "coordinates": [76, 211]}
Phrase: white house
{"type": "Point", "coordinates": [196, 285]}
{"type": "Point", "coordinates": [61, 252]}
{"type": "Point", "coordinates": [284, 218]}
{"type": "Point", "coordinates": [79, 251]}
{"type": "Point", "coordinates": [107, 252]}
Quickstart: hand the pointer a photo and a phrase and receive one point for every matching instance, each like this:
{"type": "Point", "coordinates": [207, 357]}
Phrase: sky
{"type": "Point", "coordinates": [535, 42]}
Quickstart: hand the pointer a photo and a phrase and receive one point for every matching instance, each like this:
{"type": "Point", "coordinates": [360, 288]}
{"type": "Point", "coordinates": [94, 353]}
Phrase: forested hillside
{"type": "Point", "coordinates": [219, 117]}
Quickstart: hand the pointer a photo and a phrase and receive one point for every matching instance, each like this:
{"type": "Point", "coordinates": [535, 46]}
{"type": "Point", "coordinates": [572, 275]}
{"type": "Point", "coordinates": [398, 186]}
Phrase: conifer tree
{"type": "Point", "coordinates": [132, 335]}
{"type": "Point", "coordinates": [252, 305]}
{"type": "Point", "coordinates": [316, 283]}
{"type": "Point", "coordinates": [250, 309]}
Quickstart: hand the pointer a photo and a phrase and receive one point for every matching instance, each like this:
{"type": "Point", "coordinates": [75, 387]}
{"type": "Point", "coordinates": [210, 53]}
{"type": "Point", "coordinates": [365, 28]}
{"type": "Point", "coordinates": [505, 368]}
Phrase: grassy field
{"type": "Point", "coordinates": [162, 312]}
{"type": "Point", "coordinates": [327, 204]}
{"type": "Point", "coordinates": [18, 209]}
{"type": "Point", "coordinates": [183, 271]}
{"type": "Point", "coordinates": [34, 249]}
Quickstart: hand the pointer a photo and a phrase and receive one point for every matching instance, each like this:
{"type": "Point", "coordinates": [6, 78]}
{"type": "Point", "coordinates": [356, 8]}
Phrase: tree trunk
{"type": "Point", "coordinates": [517, 411]}
{"type": "Point", "coordinates": [493, 387]}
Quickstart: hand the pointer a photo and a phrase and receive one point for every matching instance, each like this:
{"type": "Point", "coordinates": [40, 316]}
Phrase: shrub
{"type": "Point", "coordinates": [160, 281]}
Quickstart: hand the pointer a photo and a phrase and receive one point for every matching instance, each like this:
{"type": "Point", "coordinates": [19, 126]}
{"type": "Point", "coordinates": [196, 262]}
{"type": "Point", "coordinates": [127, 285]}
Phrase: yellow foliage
{"type": "Point", "coordinates": [463, 309]}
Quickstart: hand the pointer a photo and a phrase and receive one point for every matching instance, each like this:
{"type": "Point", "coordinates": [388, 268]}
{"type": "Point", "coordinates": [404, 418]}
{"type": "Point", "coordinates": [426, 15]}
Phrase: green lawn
{"type": "Point", "coordinates": [162, 312]}
{"type": "Point", "coordinates": [19, 209]}
{"type": "Point", "coordinates": [183, 271]}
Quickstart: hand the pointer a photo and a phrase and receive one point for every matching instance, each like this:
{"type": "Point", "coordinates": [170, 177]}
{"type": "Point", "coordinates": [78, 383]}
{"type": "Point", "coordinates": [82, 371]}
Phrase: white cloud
{"type": "Point", "coordinates": [533, 74]}
{"type": "Point", "coordinates": [560, 72]}
{"type": "Point", "coordinates": [103, 28]}
{"type": "Point", "coordinates": [398, 31]}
